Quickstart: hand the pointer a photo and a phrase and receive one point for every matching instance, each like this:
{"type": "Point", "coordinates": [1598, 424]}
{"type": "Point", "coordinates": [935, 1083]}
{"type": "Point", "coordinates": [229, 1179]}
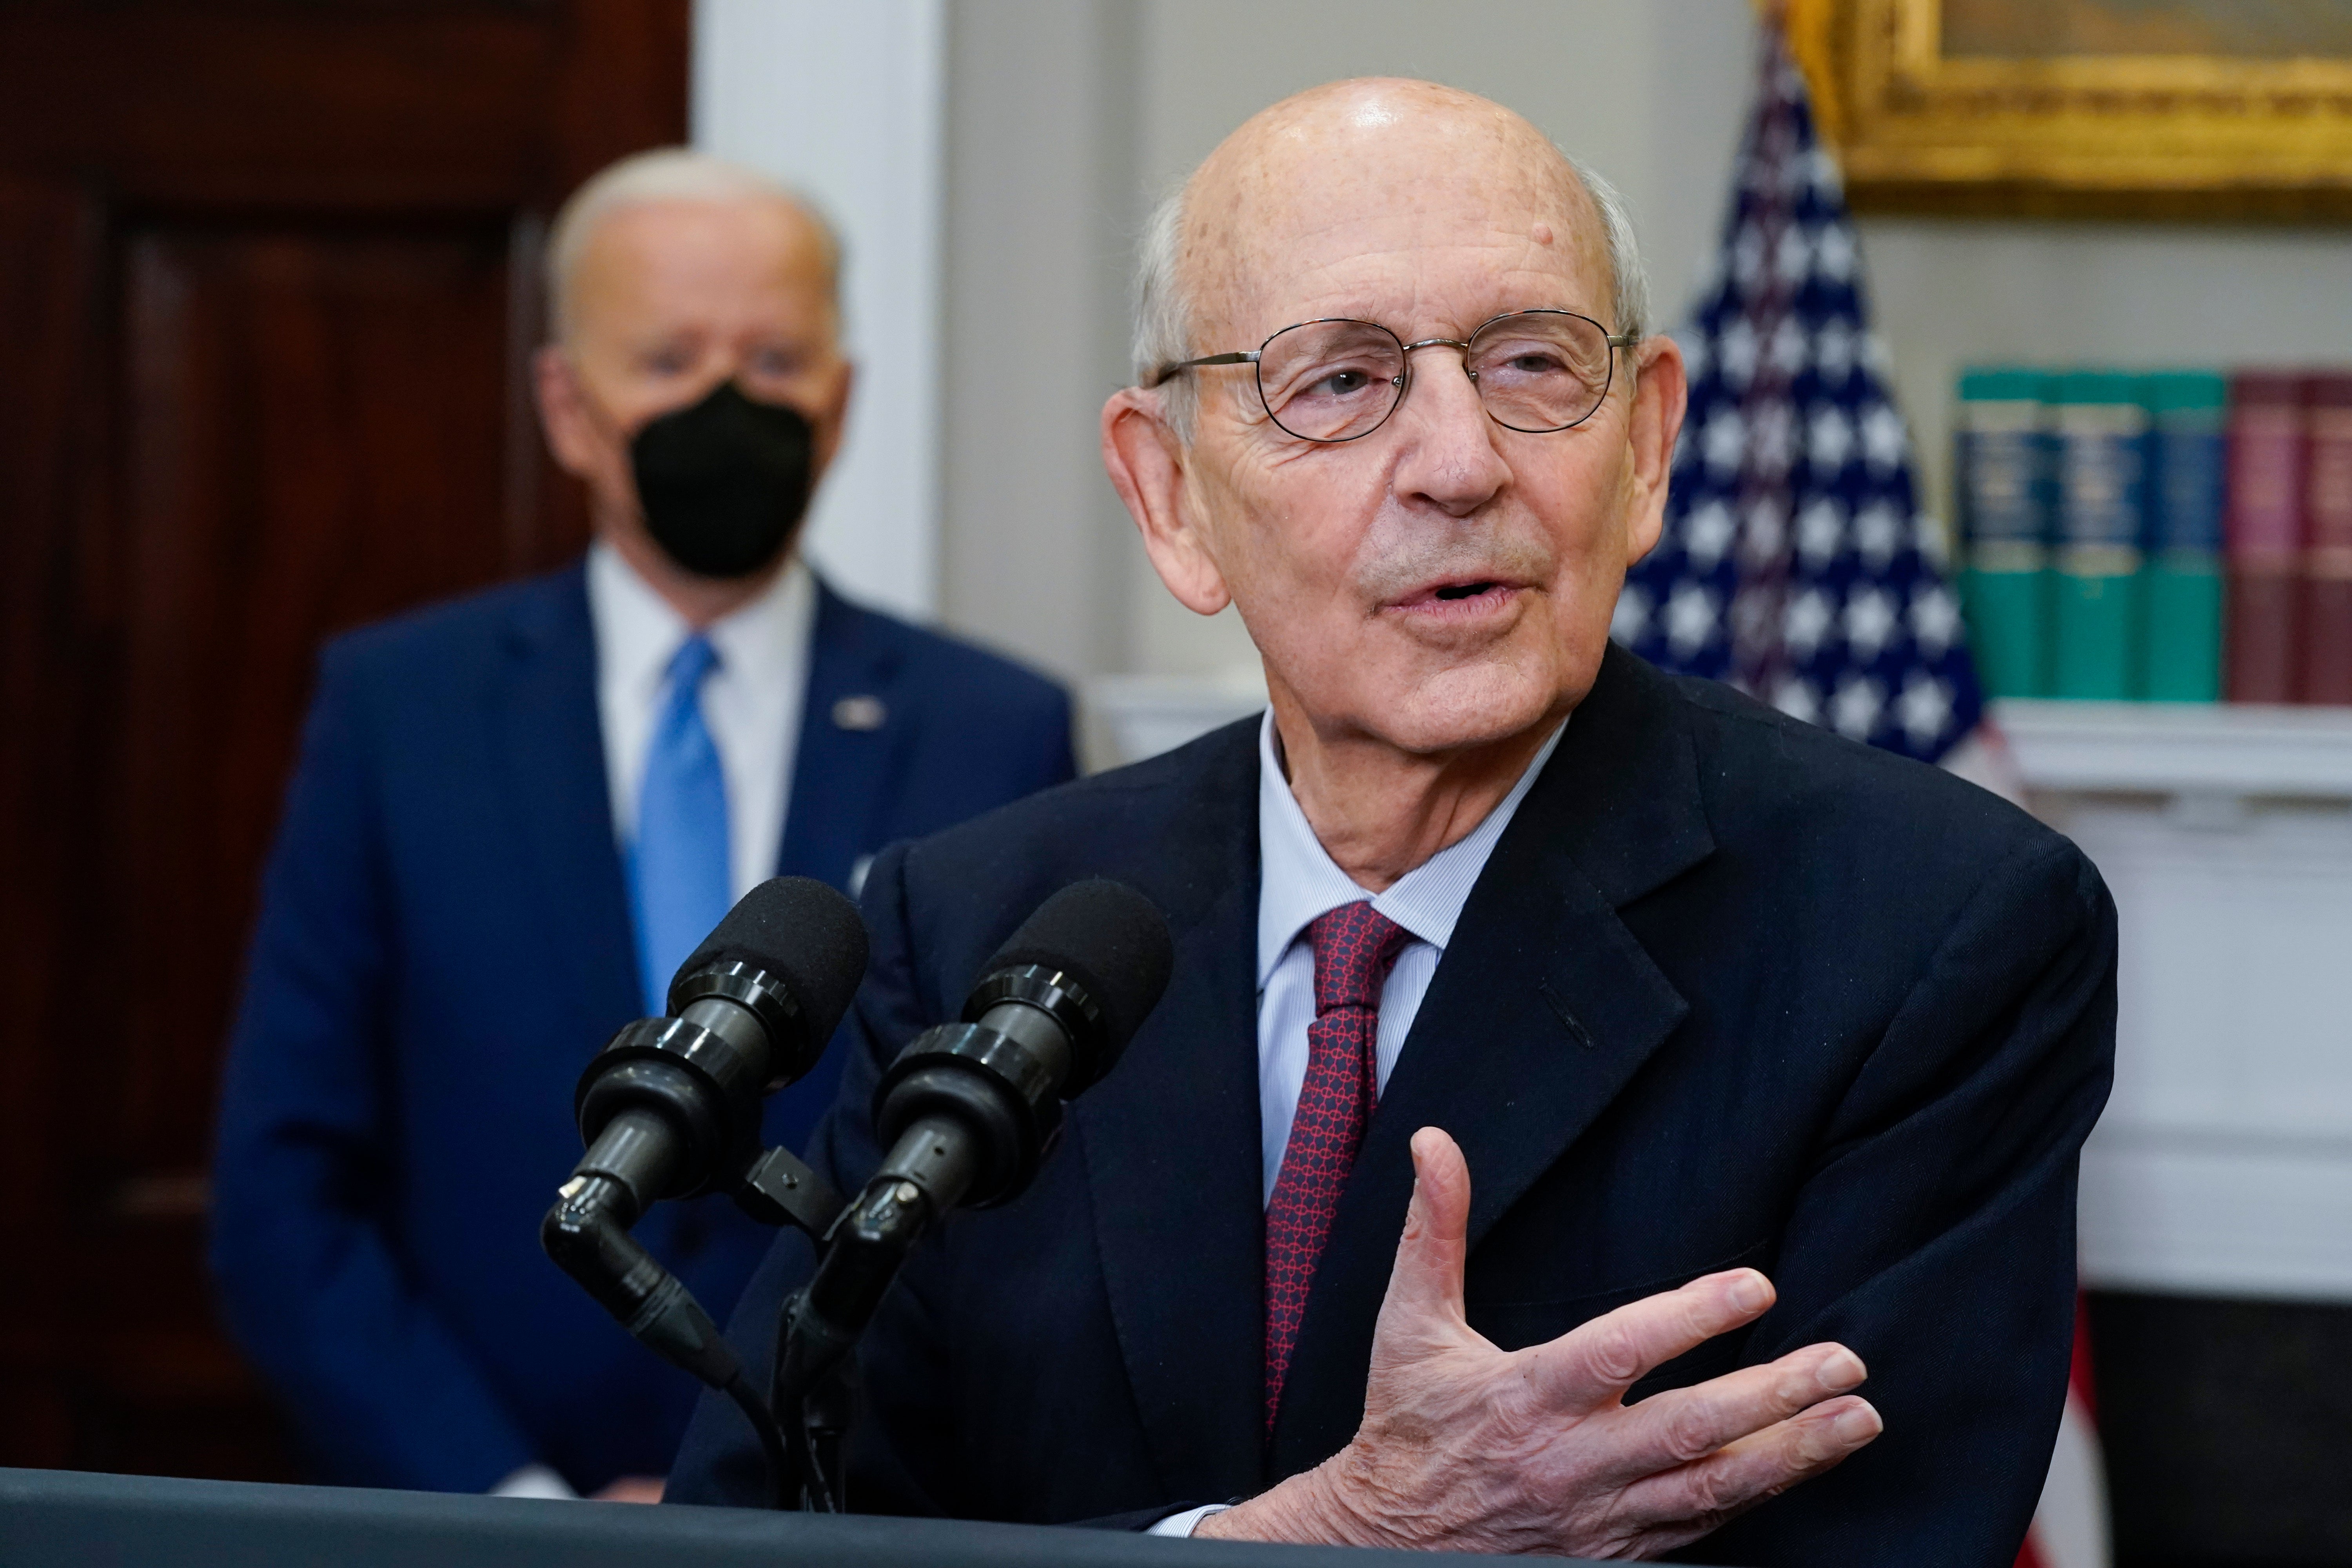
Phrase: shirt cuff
{"type": "Point", "coordinates": [539, 1482]}
{"type": "Point", "coordinates": [1188, 1522]}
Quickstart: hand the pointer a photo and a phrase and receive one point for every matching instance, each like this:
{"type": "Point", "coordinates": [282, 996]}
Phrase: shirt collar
{"type": "Point", "coordinates": [1298, 880]}
{"type": "Point", "coordinates": [638, 634]}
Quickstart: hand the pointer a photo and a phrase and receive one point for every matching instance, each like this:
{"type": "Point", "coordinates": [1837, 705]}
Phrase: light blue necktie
{"type": "Point", "coordinates": [679, 867]}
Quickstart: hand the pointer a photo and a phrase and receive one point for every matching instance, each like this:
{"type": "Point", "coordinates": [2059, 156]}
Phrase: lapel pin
{"type": "Point", "coordinates": [861, 713]}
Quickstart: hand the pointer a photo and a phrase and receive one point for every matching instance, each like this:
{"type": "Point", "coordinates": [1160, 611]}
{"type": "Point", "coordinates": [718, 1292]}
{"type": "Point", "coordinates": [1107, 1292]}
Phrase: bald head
{"type": "Point", "coordinates": [672, 187]}
{"type": "Point", "coordinates": [1322, 173]}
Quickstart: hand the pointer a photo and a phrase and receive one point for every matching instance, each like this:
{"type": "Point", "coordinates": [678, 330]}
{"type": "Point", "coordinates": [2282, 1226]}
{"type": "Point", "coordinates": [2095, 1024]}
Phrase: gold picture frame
{"type": "Point", "coordinates": [2032, 108]}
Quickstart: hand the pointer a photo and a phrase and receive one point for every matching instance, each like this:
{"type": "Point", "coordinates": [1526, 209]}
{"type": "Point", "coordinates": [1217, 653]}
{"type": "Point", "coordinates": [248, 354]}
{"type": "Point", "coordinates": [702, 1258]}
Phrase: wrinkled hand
{"type": "Point", "coordinates": [1474, 1448]}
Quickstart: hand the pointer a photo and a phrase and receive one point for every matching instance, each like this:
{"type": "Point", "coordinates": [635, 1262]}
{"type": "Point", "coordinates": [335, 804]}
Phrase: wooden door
{"type": "Point", "coordinates": [268, 281]}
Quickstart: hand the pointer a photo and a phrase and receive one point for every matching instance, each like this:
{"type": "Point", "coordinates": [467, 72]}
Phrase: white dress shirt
{"type": "Point", "coordinates": [751, 699]}
{"type": "Point", "coordinates": [1297, 882]}
{"type": "Point", "coordinates": [751, 702]}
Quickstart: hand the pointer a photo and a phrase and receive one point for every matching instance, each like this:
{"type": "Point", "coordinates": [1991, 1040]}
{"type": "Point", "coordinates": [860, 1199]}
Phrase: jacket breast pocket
{"type": "Point", "coordinates": [1515, 1325]}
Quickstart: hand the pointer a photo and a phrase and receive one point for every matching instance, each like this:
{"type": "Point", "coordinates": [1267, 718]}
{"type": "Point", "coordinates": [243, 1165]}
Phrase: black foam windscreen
{"type": "Point", "coordinates": [802, 933]}
{"type": "Point", "coordinates": [1108, 937]}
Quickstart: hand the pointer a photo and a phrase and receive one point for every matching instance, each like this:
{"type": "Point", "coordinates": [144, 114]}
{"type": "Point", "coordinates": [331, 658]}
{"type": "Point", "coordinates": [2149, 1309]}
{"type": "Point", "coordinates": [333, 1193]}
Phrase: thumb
{"type": "Point", "coordinates": [1423, 1310]}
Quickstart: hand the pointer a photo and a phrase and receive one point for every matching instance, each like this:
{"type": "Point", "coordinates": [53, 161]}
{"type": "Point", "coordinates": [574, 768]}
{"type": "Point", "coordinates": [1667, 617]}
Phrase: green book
{"type": "Point", "coordinates": [2001, 485]}
{"type": "Point", "coordinates": [2186, 494]}
{"type": "Point", "coordinates": [2096, 634]}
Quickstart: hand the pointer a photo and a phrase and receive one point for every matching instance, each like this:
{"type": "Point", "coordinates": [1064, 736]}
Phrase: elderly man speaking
{"type": "Point", "coordinates": [1704, 1058]}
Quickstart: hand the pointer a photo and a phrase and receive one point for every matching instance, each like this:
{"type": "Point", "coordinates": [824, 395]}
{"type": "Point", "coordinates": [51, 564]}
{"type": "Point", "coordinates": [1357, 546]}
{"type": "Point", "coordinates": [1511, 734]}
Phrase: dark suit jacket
{"type": "Point", "coordinates": [445, 940]}
{"type": "Point", "coordinates": [1731, 990]}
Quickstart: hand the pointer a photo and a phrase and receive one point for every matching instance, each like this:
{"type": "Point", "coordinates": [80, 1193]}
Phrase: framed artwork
{"type": "Point", "coordinates": [2170, 110]}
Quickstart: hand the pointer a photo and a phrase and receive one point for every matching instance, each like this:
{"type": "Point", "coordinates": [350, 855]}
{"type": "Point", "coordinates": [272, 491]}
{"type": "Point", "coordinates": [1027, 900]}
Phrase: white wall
{"type": "Point", "coordinates": [845, 102]}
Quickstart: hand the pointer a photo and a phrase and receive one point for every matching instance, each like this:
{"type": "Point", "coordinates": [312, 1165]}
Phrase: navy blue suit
{"type": "Point", "coordinates": [445, 940]}
{"type": "Point", "coordinates": [1730, 990]}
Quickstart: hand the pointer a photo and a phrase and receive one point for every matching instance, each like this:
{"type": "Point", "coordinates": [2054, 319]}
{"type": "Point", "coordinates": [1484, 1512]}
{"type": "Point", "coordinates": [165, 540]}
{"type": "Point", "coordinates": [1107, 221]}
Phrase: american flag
{"type": "Point", "coordinates": [1797, 565]}
{"type": "Point", "coordinates": [1796, 562]}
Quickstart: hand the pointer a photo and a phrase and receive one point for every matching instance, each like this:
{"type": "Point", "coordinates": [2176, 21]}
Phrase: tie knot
{"type": "Point", "coordinates": [1355, 947]}
{"type": "Point", "coordinates": [694, 660]}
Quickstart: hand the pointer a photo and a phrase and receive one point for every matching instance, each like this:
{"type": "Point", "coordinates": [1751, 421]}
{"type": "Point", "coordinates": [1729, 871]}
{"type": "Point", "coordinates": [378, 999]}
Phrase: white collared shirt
{"type": "Point", "coordinates": [751, 699]}
{"type": "Point", "coordinates": [1298, 881]}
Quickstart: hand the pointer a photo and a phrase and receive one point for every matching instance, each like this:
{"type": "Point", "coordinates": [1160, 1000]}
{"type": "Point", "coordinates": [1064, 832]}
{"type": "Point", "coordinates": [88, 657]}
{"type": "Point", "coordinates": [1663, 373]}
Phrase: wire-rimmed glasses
{"type": "Point", "coordinates": [1339, 379]}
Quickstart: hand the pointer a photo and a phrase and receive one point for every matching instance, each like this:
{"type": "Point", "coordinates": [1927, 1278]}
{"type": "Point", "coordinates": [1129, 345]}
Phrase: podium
{"type": "Point", "coordinates": [52, 1519]}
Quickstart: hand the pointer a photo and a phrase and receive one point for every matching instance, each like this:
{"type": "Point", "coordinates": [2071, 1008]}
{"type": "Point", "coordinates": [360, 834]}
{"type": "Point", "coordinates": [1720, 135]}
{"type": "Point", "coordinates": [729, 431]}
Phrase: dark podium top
{"type": "Point", "coordinates": [70, 1520]}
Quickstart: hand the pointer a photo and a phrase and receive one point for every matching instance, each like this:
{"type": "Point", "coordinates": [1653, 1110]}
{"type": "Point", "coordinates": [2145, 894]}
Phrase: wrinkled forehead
{"type": "Point", "coordinates": [1428, 234]}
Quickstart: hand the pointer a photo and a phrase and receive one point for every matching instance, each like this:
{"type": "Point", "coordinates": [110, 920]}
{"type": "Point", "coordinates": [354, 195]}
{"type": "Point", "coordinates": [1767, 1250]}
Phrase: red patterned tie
{"type": "Point", "coordinates": [1355, 947]}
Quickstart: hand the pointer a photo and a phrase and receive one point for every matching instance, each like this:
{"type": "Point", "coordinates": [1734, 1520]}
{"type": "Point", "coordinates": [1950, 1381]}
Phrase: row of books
{"type": "Point", "coordinates": [2178, 536]}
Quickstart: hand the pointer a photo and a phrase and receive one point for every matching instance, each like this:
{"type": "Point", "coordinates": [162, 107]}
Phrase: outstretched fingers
{"type": "Point", "coordinates": [1680, 1505]}
{"type": "Point", "coordinates": [1684, 1426]}
{"type": "Point", "coordinates": [1590, 1366]}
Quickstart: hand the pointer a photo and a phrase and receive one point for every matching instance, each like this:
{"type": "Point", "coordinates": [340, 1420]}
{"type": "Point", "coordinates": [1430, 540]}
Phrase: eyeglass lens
{"type": "Point", "coordinates": [1334, 381]}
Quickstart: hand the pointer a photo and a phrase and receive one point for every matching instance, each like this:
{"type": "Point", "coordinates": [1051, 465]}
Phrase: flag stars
{"type": "Point", "coordinates": [1821, 531]}
{"type": "Point", "coordinates": [1631, 619]}
{"type": "Point", "coordinates": [1831, 440]}
{"type": "Point", "coordinates": [1883, 441]}
{"type": "Point", "coordinates": [1790, 346]}
{"type": "Point", "coordinates": [1870, 620]}
{"type": "Point", "coordinates": [1707, 534]}
{"type": "Point", "coordinates": [1725, 442]}
{"type": "Point", "coordinates": [1736, 353]}
{"type": "Point", "coordinates": [1935, 619]}
{"type": "Point", "coordinates": [1925, 708]}
{"type": "Point", "coordinates": [1690, 619]}
{"type": "Point", "coordinates": [1798, 701]}
{"type": "Point", "coordinates": [1809, 619]}
{"type": "Point", "coordinates": [1877, 533]}
{"type": "Point", "coordinates": [1853, 711]}
{"type": "Point", "coordinates": [1834, 350]}
{"type": "Point", "coordinates": [1793, 257]}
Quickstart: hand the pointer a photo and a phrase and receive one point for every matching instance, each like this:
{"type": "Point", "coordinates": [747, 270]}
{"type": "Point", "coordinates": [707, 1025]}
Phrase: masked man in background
{"type": "Point", "coordinates": [515, 813]}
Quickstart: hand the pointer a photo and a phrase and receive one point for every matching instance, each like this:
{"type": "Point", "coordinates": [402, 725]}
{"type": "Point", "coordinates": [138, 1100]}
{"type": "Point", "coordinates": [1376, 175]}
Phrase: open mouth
{"type": "Point", "coordinates": [1467, 590]}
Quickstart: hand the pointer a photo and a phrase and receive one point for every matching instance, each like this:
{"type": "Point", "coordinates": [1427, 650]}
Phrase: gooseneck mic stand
{"type": "Point", "coordinates": [967, 1112]}
{"type": "Point", "coordinates": [671, 1108]}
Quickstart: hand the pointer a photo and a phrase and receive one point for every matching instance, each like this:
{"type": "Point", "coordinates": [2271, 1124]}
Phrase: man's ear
{"type": "Point", "coordinates": [1148, 467]}
{"type": "Point", "coordinates": [1654, 422]}
{"type": "Point", "coordinates": [563, 414]}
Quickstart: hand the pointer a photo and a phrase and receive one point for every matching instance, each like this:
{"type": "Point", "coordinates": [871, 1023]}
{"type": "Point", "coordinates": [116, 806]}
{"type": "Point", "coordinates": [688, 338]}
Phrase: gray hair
{"type": "Point", "coordinates": [664, 175]}
{"type": "Point", "coordinates": [1163, 310]}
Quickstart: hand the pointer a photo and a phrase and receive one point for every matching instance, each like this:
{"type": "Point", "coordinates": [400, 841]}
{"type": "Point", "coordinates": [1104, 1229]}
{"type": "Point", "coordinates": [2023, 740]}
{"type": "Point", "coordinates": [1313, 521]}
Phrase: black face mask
{"type": "Point", "coordinates": [724, 482]}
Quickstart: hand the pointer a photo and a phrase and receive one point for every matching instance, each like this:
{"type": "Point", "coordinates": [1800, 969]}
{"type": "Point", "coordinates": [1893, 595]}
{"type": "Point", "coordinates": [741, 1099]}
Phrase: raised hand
{"type": "Point", "coordinates": [1474, 1448]}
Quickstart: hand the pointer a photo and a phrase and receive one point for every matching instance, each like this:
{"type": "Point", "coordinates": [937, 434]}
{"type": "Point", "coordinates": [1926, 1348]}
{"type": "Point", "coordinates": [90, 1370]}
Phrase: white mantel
{"type": "Point", "coordinates": [2224, 1163]}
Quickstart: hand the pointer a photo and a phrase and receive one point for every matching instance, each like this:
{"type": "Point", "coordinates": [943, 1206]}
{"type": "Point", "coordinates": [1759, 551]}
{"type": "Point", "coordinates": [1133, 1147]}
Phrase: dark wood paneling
{"type": "Point", "coordinates": [268, 291]}
{"type": "Point", "coordinates": [2224, 1423]}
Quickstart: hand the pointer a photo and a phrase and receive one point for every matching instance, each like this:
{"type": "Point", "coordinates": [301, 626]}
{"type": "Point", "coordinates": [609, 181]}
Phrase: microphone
{"type": "Point", "coordinates": [969, 1109]}
{"type": "Point", "coordinates": [670, 1108]}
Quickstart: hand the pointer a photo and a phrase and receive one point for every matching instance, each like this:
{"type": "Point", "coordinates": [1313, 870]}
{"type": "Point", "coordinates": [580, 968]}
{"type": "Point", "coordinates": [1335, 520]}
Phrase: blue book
{"type": "Point", "coordinates": [2002, 488]}
{"type": "Point", "coordinates": [2186, 494]}
{"type": "Point", "coordinates": [2102, 429]}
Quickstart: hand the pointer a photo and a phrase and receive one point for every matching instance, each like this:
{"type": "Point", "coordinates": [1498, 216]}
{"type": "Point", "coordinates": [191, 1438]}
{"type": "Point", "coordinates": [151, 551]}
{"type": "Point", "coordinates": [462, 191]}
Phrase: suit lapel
{"type": "Point", "coordinates": [555, 774]}
{"type": "Point", "coordinates": [1170, 1145]}
{"type": "Point", "coordinates": [850, 729]}
{"type": "Point", "coordinates": [1543, 1008]}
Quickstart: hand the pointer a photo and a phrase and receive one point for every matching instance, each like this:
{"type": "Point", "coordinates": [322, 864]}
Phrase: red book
{"type": "Point", "coordinates": [2262, 535]}
{"type": "Point", "coordinates": [2327, 514]}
